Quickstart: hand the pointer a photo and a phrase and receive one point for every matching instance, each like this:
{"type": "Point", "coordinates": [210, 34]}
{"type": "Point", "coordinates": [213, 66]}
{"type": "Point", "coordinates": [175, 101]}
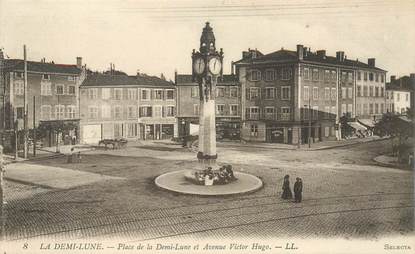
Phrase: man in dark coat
{"type": "Point", "coordinates": [298, 189]}
{"type": "Point", "coordinates": [286, 191]}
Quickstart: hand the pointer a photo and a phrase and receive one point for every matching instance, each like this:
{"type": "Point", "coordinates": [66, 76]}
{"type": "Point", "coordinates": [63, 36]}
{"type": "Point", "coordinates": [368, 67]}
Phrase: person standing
{"type": "Point", "coordinates": [286, 191]}
{"type": "Point", "coordinates": [298, 189]}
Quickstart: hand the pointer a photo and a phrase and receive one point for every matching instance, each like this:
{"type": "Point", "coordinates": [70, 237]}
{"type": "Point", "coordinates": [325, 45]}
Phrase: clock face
{"type": "Point", "coordinates": [215, 66]}
{"type": "Point", "coordinates": [199, 66]}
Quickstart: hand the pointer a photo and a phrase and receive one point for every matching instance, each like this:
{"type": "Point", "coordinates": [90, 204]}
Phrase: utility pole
{"type": "Point", "coordinates": [34, 126]}
{"type": "Point", "coordinates": [25, 148]}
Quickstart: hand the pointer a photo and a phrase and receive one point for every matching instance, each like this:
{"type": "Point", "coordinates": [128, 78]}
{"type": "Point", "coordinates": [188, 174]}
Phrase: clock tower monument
{"type": "Point", "coordinates": [206, 68]}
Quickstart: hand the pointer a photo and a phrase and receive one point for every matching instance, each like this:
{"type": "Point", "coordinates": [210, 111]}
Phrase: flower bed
{"type": "Point", "coordinates": [209, 176]}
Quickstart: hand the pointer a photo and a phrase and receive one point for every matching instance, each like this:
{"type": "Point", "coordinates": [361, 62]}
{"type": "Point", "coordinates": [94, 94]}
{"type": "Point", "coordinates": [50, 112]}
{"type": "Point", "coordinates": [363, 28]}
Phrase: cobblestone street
{"type": "Point", "coordinates": [346, 194]}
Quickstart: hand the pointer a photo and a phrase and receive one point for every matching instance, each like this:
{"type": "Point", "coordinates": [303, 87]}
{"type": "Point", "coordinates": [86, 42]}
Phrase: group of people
{"type": "Point", "coordinates": [74, 157]}
{"type": "Point", "coordinates": [298, 189]}
{"type": "Point", "coordinates": [222, 176]}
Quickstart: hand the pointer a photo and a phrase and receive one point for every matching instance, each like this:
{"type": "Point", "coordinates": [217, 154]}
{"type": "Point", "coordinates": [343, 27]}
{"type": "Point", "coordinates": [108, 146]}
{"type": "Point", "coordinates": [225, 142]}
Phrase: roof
{"type": "Point", "coordinates": [227, 79]}
{"type": "Point", "coordinates": [405, 83]}
{"type": "Point", "coordinates": [18, 65]}
{"type": "Point", "coordinates": [284, 55]}
{"type": "Point", "coordinates": [100, 79]}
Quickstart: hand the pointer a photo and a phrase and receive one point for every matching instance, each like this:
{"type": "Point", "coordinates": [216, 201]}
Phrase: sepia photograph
{"type": "Point", "coordinates": [207, 126]}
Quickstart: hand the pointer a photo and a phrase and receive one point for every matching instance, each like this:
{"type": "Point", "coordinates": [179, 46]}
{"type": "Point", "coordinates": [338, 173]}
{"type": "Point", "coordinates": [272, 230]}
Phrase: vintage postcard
{"type": "Point", "coordinates": [208, 126]}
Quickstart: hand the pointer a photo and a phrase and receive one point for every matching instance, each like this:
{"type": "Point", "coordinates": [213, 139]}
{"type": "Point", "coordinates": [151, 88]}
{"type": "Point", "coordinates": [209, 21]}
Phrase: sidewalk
{"type": "Point", "coordinates": [314, 146]}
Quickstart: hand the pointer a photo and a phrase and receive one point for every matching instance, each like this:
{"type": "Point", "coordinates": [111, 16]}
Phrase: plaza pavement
{"type": "Point", "coordinates": [346, 194]}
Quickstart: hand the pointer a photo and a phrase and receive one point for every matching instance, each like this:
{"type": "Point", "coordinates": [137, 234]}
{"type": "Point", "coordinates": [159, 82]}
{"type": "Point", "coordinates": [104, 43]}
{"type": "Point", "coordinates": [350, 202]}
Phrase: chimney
{"type": "Point", "coordinates": [340, 56]}
{"type": "Point", "coordinates": [300, 51]}
{"type": "Point", "coordinates": [79, 62]}
{"type": "Point", "coordinates": [412, 76]}
{"type": "Point", "coordinates": [1, 54]}
{"type": "Point", "coordinates": [232, 68]}
{"type": "Point", "coordinates": [245, 54]}
{"type": "Point", "coordinates": [305, 51]}
{"type": "Point", "coordinates": [321, 53]}
{"type": "Point", "coordinates": [393, 78]}
{"type": "Point", "coordinates": [371, 62]}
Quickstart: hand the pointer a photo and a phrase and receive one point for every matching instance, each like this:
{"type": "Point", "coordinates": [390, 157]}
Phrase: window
{"type": "Point", "coordinates": [327, 93]}
{"type": "Point", "coordinates": [157, 111]}
{"type": "Point", "coordinates": [234, 92]}
{"type": "Point", "coordinates": [253, 113]}
{"type": "Point", "coordinates": [359, 91]}
{"type": "Point", "coordinates": [358, 109]}
{"type": "Point", "coordinates": [377, 77]}
{"type": "Point", "coordinates": [376, 108]}
{"type": "Point", "coordinates": [71, 90]}
{"type": "Point", "coordinates": [285, 93]}
{"type": "Point", "coordinates": [18, 88]}
{"type": "Point", "coordinates": [406, 97]}
{"type": "Point", "coordinates": [398, 97]}
{"type": "Point", "coordinates": [269, 75]}
{"type": "Point", "coordinates": [132, 94]}
{"type": "Point", "coordinates": [315, 112]}
{"type": "Point", "coordinates": [118, 93]}
{"type": "Point", "coordinates": [145, 94]}
{"type": "Point", "coordinates": [117, 112]}
{"type": "Point", "coordinates": [220, 109]}
{"type": "Point", "coordinates": [92, 93]}
{"type": "Point", "coordinates": [254, 130]}
{"type": "Point", "coordinates": [326, 75]}
{"type": "Point", "coordinates": [306, 74]}
{"type": "Point", "coordinates": [333, 111]}
{"type": "Point", "coordinates": [255, 75]}
{"type": "Point", "coordinates": [158, 94]}
{"type": "Point", "coordinates": [196, 109]}
{"type": "Point", "coordinates": [169, 94]}
{"type": "Point", "coordinates": [233, 109]}
{"type": "Point", "coordinates": [132, 130]}
{"type": "Point", "coordinates": [220, 91]}
{"type": "Point", "coordinates": [370, 76]}
{"type": "Point", "coordinates": [131, 112]}
{"type": "Point", "coordinates": [333, 76]}
{"type": "Point", "coordinates": [327, 112]}
{"type": "Point", "coordinates": [370, 108]}
{"type": "Point", "coordinates": [326, 131]}
{"type": "Point", "coordinates": [333, 94]}
{"type": "Point", "coordinates": [169, 111]}
{"type": "Point", "coordinates": [118, 130]}
{"type": "Point", "coordinates": [19, 74]}
{"type": "Point", "coordinates": [59, 89]}
{"type": "Point", "coordinates": [60, 112]}
{"type": "Point", "coordinates": [269, 93]}
{"type": "Point", "coordinates": [71, 78]}
{"type": "Point", "coordinates": [286, 73]}
{"type": "Point", "coordinates": [343, 92]}
{"type": "Point", "coordinates": [194, 92]}
{"type": "Point", "coordinates": [382, 78]}
{"type": "Point", "coordinates": [365, 76]}
{"type": "Point", "coordinates": [315, 74]}
{"type": "Point", "coordinates": [20, 112]}
{"type": "Point", "coordinates": [343, 76]}
{"type": "Point", "coordinates": [359, 75]}
{"type": "Point", "coordinates": [146, 111]}
{"type": "Point", "coordinates": [46, 77]}
{"type": "Point", "coordinates": [71, 111]}
{"type": "Point", "coordinates": [315, 93]}
{"type": "Point", "coordinates": [269, 112]}
{"type": "Point", "coordinates": [365, 93]}
{"type": "Point", "coordinates": [371, 91]}
{"type": "Point", "coordinates": [46, 89]}
{"type": "Point", "coordinates": [254, 93]}
{"type": "Point", "coordinates": [106, 93]}
{"type": "Point", "coordinates": [106, 111]}
{"type": "Point", "coordinates": [350, 76]}
{"type": "Point", "coordinates": [349, 108]}
{"type": "Point", "coordinates": [350, 93]}
{"type": "Point", "coordinates": [285, 113]}
{"type": "Point", "coordinates": [365, 110]}
{"type": "Point", "coordinates": [344, 109]}
{"type": "Point", "coordinates": [382, 92]}
{"type": "Point", "coordinates": [45, 112]}
{"type": "Point", "coordinates": [376, 91]}
{"type": "Point", "coordinates": [306, 95]}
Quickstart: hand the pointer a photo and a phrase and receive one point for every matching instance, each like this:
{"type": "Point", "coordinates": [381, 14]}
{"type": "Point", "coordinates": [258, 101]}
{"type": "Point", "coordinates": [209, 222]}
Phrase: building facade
{"type": "Point", "coordinates": [228, 105]}
{"type": "Point", "coordinates": [400, 94]}
{"type": "Point", "coordinates": [295, 96]}
{"type": "Point", "coordinates": [52, 97]}
{"type": "Point", "coordinates": [130, 107]}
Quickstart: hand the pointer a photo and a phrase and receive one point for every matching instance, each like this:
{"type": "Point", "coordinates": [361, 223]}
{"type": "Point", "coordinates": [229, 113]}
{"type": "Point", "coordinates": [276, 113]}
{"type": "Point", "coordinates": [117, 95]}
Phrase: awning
{"type": "Point", "coordinates": [367, 122]}
{"type": "Point", "coordinates": [357, 126]}
{"type": "Point", "coordinates": [405, 118]}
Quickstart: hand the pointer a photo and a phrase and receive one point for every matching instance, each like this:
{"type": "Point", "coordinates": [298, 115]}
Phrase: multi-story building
{"type": "Point", "coordinates": [370, 97]}
{"type": "Point", "coordinates": [52, 96]}
{"type": "Point", "coordinates": [228, 105]}
{"type": "Point", "coordinates": [399, 95]}
{"type": "Point", "coordinates": [120, 106]}
{"type": "Point", "coordinates": [293, 96]}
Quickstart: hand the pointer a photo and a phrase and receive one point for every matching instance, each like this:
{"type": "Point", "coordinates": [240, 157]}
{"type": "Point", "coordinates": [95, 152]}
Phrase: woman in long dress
{"type": "Point", "coordinates": [286, 191]}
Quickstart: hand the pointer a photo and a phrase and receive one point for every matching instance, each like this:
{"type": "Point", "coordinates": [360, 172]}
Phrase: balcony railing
{"type": "Point", "coordinates": [269, 116]}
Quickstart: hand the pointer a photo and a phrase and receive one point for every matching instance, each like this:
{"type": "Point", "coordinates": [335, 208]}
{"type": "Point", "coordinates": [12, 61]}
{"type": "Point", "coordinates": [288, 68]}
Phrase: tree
{"type": "Point", "coordinates": [397, 127]}
{"type": "Point", "coordinates": [346, 129]}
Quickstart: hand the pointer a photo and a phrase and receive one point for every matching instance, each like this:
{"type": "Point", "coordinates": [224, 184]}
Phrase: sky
{"type": "Point", "coordinates": [158, 36]}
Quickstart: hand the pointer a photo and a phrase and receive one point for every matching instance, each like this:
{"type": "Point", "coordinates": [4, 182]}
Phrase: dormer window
{"type": "Point", "coordinates": [255, 75]}
{"type": "Point", "coordinates": [46, 77]}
